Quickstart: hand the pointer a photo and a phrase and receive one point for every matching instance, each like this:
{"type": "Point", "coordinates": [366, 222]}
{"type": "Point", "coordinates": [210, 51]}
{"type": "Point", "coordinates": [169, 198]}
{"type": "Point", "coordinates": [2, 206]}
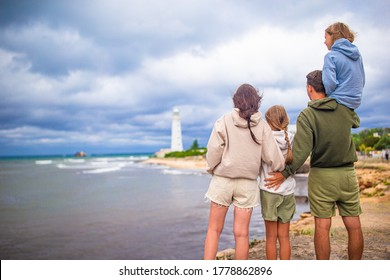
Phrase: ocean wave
{"type": "Point", "coordinates": [116, 159]}
{"type": "Point", "coordinates": [75, 160]}
{"type": "Point", "coordinates": [43, 162]}
{"type": "Point", "coordinates": [102, 170]}
{"type": "Point", "coordinates": [94, 167]}
{"type": "Point", "coordinates": [98, 162]}
{"type": "Point", "coordinates": [180, 172]}
{"type": "Point", "coordinates": [66, 166]}
{"type": "Point", "coordinates": [138, 158]}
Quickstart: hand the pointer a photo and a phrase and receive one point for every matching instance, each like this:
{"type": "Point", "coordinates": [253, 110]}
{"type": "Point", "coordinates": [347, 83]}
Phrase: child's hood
{"type": "Point", "coordinates": [347, 48]}
{"type": "Point", "coordinates": [280, 138]}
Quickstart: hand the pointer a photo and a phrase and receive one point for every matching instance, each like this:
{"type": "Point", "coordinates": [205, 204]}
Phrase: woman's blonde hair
{"type": "Point", "coordinates": [277, 119]}
{"type": "Point", "coordinates": [340, 30]}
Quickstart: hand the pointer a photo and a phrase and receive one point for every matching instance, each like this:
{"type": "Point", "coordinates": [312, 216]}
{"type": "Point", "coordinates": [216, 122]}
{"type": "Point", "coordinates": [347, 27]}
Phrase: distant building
{"type": "Point", "coordinates": [176, 139]}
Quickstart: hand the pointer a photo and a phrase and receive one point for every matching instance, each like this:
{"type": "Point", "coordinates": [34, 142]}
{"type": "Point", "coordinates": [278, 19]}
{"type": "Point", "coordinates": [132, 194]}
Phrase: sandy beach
{"type": "Point", "coordinates": [374, 183]}
{"type": "Point", "coordinates": [197, 162]}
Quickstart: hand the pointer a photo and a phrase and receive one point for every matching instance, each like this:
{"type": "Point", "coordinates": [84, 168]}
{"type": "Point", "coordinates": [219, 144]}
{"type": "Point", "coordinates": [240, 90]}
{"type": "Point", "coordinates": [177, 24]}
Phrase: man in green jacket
{"type": "Point", "coordinates": [324, 131]}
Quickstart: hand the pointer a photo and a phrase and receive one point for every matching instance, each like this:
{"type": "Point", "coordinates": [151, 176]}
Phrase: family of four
{"type": "Point", "coordinates": [252, 160]}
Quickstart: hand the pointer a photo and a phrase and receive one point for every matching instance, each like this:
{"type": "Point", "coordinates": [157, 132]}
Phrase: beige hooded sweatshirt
{"type": "Point", "coordinates": [232, 153]}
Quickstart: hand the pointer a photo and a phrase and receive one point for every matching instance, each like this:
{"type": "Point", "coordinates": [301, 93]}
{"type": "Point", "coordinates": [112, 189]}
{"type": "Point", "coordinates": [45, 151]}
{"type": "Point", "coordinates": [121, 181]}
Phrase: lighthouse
{"type": "Point", "coordinates": [176, 140]}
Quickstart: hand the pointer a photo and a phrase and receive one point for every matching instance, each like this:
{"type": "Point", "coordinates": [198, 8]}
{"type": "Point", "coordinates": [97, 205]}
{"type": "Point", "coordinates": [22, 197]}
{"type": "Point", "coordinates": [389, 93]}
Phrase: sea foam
{"type": "Point", "coordinates": [43, 162]}
{"type": "Point", "coordinates": [102, 170]}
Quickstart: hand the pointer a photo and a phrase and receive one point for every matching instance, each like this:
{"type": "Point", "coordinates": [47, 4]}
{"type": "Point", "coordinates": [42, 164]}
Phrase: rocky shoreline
{"type": "Point", "coordinates": [374, 183]}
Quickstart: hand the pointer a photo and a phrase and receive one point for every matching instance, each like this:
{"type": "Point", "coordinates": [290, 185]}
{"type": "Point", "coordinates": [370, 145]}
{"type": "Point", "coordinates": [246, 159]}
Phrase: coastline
{"type": "Point", "coordinates": [374, 184]}
{"type": "Point", "coordinates": [196, 162]}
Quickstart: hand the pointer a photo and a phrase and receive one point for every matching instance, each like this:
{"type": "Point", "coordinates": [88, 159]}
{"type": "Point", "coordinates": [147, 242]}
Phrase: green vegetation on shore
{"type": "Point", "coordinates": [369, 140]}
{"type": "Point", "coordinates": [187, 153]}
{"type": "Point", "coordinates": [194, 150]}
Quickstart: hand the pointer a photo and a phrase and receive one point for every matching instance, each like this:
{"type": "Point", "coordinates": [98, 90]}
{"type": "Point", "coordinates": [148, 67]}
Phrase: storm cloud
{"type": "Point", "coordinates": [103, 76]}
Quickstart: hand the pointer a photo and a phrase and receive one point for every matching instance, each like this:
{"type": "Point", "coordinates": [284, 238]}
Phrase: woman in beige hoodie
{"type": "Point", "coordinates": [239, 142]}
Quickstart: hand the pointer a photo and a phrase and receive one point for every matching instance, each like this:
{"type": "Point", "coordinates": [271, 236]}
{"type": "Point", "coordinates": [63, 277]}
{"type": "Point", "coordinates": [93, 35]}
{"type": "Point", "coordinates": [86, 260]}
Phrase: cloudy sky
{"type": "Point", "coordinates": [104, 75]}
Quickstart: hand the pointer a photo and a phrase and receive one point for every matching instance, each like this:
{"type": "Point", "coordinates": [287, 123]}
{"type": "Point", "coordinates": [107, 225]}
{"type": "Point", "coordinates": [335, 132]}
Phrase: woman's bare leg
{"type": "Point", "coordinates": [215, 227]}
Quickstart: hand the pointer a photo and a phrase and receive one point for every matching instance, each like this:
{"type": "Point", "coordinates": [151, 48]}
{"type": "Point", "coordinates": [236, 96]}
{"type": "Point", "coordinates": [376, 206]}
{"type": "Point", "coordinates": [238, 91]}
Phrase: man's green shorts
{"type": "Point", "coordinates": [329, 187]}
{"type": "Point", "coordinates": [276, 207]}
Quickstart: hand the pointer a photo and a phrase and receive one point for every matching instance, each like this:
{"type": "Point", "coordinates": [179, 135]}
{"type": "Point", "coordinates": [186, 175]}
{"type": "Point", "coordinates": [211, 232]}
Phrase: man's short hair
{"type": "Point", "coordinates": [314, 79]}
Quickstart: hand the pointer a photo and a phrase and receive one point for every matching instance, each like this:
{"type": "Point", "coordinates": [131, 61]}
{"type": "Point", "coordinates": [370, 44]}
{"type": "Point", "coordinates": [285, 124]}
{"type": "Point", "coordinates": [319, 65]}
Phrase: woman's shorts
{"type": "Point", "coordinates": [276, 207]}
{"type": "Point", "coordinates": [329, 187]}
{"type": "Point", "coordinates": [242, 193]}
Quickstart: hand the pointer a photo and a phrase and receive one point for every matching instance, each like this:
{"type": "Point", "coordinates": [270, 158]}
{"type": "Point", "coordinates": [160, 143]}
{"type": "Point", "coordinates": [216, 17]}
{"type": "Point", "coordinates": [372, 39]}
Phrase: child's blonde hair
{"type": "Point", "coordinates": [340, 30]}
{"type": "Point", "coordinates": [277, 119]}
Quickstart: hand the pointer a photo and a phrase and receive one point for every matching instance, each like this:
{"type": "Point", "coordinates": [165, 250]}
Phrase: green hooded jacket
{"type": "Point", "coordinates": [324, 130]}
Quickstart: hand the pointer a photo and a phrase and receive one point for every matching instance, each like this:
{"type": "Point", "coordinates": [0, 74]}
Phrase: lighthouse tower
{"type": "Point", "coordinates": [176, 140]}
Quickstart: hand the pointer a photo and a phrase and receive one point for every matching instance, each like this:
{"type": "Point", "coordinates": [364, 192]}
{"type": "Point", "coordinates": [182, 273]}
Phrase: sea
{"type": "Point", "coordinates": [109, 207]}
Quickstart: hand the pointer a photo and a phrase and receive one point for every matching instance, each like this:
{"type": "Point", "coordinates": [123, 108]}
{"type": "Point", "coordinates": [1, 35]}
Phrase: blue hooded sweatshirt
{"type": "Point", "coordinates": [343, 73]}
